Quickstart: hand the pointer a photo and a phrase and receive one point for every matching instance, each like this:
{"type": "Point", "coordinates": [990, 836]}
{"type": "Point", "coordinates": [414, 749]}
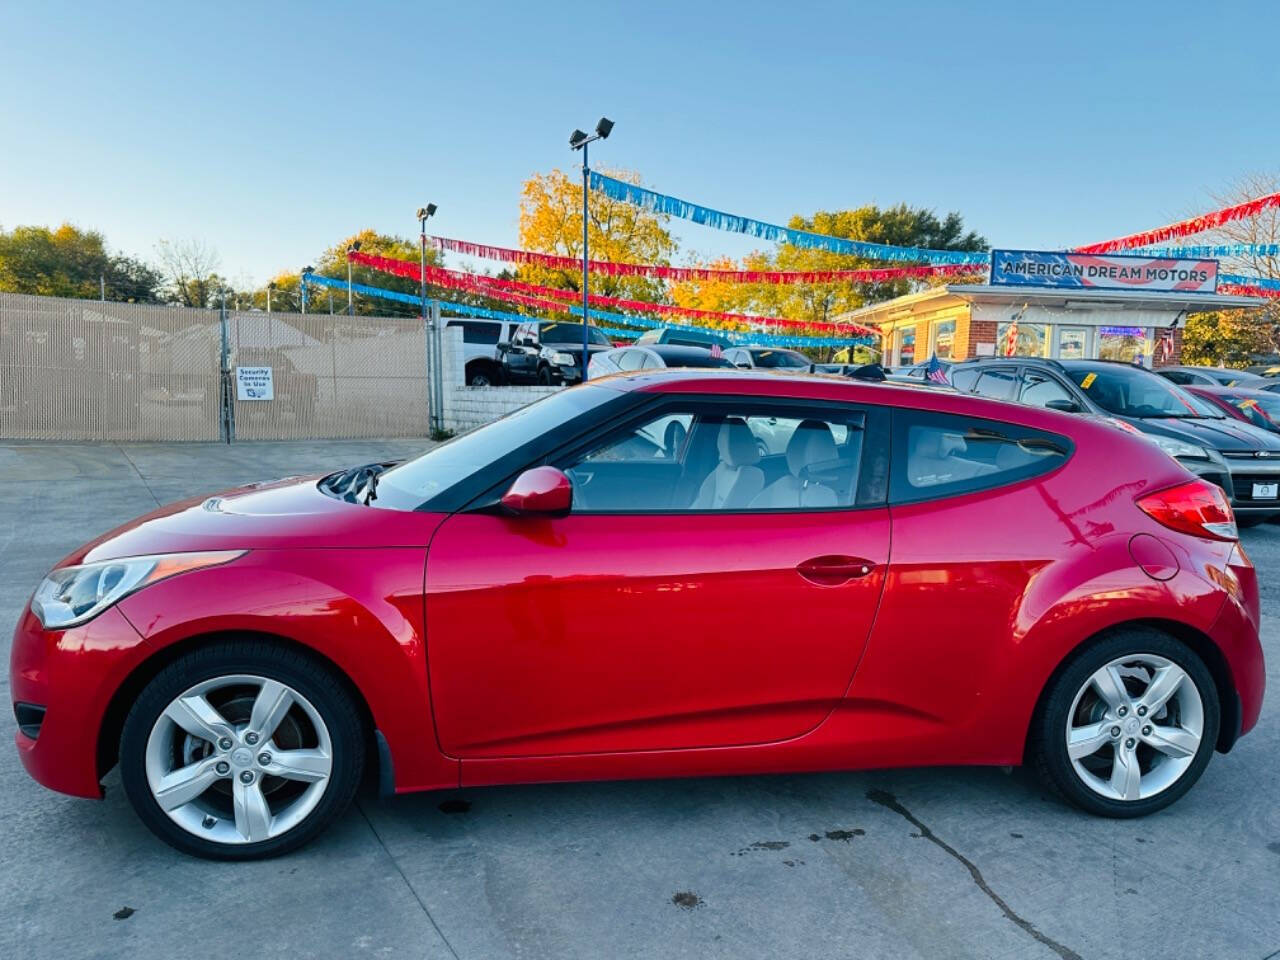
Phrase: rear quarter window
{"type": "Point", "coordinates": [940, 455]}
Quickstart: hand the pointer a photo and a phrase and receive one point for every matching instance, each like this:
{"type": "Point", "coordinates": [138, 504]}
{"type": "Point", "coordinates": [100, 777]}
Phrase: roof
{"type": "Point", "coordinates": [952, 293]}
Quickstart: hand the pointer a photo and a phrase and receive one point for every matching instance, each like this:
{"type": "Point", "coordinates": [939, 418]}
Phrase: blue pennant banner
{"type": "Point", "coordinates": [1264, 282]}
{"type": "Point", "coordinates": [647, 323]}
{"type": "Point", "coordinates": [1221, 250]}
{"type": "Point", "coordinates": [671, 206]}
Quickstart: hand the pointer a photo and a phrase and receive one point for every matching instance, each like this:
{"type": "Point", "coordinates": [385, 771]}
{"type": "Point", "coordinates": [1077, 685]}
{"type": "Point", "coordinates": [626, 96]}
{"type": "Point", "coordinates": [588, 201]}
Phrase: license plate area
{"type": "Point", "coordinates": [1266, 491]}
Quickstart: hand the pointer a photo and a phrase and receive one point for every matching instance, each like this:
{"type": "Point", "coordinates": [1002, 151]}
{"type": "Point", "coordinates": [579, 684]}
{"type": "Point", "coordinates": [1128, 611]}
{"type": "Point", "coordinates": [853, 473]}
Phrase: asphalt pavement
{"type": "Point", "coordinates": [906, 864]}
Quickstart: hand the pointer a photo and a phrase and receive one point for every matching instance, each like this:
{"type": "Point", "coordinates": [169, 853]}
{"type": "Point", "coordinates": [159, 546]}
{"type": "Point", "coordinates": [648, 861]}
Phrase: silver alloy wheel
{"type": "Point", "coordinates": [1135, 727]}
{"type": "Point", "coordinates": [239, 759]}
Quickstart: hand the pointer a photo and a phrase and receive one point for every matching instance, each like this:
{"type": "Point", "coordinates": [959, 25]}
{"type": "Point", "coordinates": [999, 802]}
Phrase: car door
{"type": "Point", "coordinates": [522, 354]}
{"type": "Point", "coordinates": [641, 621]}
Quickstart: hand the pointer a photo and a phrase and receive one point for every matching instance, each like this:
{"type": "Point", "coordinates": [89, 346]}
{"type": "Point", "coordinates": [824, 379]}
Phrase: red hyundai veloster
{"type": "Point", "coordinates": [672, 574]}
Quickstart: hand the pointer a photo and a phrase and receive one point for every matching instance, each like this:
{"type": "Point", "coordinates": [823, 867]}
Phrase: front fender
{"type": "Point", "coordinates": [361, 609]}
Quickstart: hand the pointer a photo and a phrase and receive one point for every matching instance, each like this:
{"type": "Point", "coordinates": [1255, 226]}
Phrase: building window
{"type": "Point", "coordinates": [906, 347]}
{"type": "Point", "coordinates": [944, 339]}
{"type": "Point", "coordinates": [1033, 340]}
{"type": "Point", "coordinates": [1122, 343]}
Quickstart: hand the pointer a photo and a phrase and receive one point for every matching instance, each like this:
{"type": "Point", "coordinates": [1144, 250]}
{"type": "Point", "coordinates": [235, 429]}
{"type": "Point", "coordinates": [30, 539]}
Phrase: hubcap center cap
{"type": "Point", "coordinates": [1131, 725]}
{"type": "Point", "coordinates": [242, 757]}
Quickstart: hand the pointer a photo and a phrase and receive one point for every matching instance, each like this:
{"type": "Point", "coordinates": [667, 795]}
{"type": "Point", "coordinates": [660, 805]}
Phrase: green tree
{"type": "Point", "coordinates": [70, 262]}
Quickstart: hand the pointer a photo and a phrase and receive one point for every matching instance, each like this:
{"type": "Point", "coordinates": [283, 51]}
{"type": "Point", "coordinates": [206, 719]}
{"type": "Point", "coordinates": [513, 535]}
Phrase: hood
{"type": "Point", "coordinates": [284, 514]}
{"type": "Point", "coordinates": [1227, 435]}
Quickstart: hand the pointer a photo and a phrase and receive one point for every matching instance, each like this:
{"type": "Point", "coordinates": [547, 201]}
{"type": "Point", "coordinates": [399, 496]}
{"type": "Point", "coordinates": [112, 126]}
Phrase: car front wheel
{"type": "Point", "coordinates": [241, 750]}
{"type": "Point", "coordinates": [1129, 725]}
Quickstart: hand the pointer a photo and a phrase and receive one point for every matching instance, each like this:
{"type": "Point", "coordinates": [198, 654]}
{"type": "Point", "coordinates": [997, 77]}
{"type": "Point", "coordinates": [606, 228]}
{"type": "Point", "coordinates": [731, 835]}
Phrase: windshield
{"type": "Point", "coordinates": [417, 481]}
{"type": "Point", "coordinates": [572, 333]}
{"type": "Point", "coordinates": [1261, 411]}
{"type": "Point", "coordinates": [1130, 392]}
{"type": "Point", "coordinates": [780, 358]}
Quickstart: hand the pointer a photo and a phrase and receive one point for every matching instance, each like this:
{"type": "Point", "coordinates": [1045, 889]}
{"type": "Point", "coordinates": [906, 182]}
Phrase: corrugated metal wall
{"type": "Point", "coordinates": [85, 370]}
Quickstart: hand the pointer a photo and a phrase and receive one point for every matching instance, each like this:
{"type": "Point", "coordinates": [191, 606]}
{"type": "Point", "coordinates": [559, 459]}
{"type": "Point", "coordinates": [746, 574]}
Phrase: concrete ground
{"type": "Point", "coordinates": [903, 864]}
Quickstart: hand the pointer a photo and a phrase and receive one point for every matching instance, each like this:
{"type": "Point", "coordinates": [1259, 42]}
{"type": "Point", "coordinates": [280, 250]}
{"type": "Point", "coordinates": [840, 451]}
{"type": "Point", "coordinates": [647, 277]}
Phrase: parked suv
{"type": "Point", "coordinates": [1240, 458]}
{"type": "Point", "coordinates": [548, 353]}
{"type": "Point", "coordinates": [480, 339]}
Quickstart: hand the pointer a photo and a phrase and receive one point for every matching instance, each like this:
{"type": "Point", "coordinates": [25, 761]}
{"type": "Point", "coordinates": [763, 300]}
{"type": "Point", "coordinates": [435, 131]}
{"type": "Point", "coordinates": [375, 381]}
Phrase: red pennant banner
{"type": "Point", "coordinates": [1246, 290]}
{"type": "Point", "coordinates": [545, 297]}
{"type": "Point", "coordinates": [696, 274]}
{"type": "Point", "coordinates": [1186, 228]}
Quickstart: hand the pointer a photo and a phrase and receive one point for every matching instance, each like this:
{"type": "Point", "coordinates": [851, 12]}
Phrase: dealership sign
{"type": "Point", "coordinates": [1102, 271]}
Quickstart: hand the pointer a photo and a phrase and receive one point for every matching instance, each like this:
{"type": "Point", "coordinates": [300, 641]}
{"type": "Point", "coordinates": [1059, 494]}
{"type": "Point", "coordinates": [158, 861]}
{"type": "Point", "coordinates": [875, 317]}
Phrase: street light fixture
{"type": "Point", "coordinates": [355, 245]}
{"type": "Point", "coordinates": [578, 141]}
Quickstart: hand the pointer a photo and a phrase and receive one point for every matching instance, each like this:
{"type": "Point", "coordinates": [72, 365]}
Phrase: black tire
{"type": "Point", "coordinates": [1048, 740]}
{"type": "Point", "coordinates": [304, 674]}
{"type": "Point", "coordinates": [544, 377]}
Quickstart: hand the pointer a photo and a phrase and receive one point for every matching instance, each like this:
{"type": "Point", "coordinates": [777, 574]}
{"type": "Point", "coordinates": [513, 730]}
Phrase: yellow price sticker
{"type": "Point", "coordinates": [1087, 382]}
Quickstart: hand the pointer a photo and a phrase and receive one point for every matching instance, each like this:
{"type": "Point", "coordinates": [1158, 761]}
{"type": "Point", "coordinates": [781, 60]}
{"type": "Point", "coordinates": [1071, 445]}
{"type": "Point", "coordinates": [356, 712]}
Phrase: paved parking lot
{"type": "Point", "coordinates": [903, 864]}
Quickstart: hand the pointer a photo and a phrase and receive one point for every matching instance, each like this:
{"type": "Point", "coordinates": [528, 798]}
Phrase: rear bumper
{"type": "Point", "coordinates": [72, 675]}
{"type": "Point", "coordinates": [1236, 633]}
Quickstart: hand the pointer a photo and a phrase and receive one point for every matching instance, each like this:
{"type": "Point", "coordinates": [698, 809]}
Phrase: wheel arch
{"type": "Point", "coordinates": [492, 367]}
{"type": "Point", "coordinates": [1200, 643]}
{"type": "Point", "coordinates": [112, 725]}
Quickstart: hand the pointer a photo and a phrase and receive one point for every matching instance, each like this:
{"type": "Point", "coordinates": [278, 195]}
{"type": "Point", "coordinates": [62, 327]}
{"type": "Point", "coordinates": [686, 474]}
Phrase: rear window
{"type": "Point", "coordinates": [939, 455]}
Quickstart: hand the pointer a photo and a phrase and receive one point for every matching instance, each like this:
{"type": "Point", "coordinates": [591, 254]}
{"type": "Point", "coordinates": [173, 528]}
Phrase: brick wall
{"type": "Point", "coordinates": [1175, 358]}
{"type": "Point", "coordinates": [980, 331]}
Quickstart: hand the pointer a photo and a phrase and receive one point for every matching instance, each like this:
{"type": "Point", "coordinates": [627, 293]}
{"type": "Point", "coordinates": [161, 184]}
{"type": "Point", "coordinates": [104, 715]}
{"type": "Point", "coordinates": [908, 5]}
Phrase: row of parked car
{"type": "Point", "coordinates": [1223, 425]}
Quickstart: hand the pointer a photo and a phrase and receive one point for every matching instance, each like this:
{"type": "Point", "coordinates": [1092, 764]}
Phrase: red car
{"type": "Point", "coordinates": [1258, 407]}
{"type": "Point", "coordinates": [622, 581]}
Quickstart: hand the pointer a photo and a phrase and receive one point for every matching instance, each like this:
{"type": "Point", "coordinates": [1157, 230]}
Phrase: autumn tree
{"type": "Point", "coordinates": [70, 262]}
{"type": "Point", "coordinates": [551, 222]}
{"type": "Point", "coordinates": [1238, 338]}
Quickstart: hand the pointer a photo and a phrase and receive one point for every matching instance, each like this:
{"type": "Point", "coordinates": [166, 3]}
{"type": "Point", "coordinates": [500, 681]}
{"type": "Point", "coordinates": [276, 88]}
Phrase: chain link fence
{"type": "Point", "coordinates": [87, 370]}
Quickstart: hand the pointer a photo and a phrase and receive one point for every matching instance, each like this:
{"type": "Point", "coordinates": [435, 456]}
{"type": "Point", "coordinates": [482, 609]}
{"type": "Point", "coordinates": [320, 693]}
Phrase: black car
{"type": "Point", "coordinates": [1240, 458]}
{"type": "Point", "coordinates": [1211, 377]}
{"type": "Point", "coordinates": [548, 353]}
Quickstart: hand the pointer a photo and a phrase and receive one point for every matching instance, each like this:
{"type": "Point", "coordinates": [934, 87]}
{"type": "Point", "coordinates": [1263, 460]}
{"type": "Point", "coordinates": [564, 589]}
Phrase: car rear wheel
{"type": "Point", "coordinates": [1129, 725]}
{"type": "Point", "coordinates": [241, 750]}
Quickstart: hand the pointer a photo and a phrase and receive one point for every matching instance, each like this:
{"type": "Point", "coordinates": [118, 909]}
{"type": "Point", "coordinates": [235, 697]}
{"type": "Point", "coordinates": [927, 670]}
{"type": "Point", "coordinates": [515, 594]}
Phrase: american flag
{"type": "Point", "coordinates": [935, 371]}
{"type": "Point", "coordinates": [1011, 335]}
{"type": "Point", "coordinates": [716, 352]}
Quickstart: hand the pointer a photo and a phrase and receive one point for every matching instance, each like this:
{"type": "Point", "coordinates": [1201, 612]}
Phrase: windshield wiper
{"type": "Point", "coordinates": [357, 485]}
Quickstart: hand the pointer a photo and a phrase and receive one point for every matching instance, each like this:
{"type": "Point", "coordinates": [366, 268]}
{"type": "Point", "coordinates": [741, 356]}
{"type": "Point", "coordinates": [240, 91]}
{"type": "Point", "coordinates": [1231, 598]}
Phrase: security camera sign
{"type": "Point", "coordinates": [254, 383]}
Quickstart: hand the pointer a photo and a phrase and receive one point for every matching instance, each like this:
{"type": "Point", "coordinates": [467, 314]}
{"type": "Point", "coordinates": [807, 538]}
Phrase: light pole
{"type": "Point", "coordinates": [433, 377]}
{"type": "Point", "coordinates": [578, 141]}
{"type": "Point", "coordinates": [306, 272]}
{"type": "Point", "coordinates": [270, 286]}
{"type": "Point", "coordinates": [355, 245]}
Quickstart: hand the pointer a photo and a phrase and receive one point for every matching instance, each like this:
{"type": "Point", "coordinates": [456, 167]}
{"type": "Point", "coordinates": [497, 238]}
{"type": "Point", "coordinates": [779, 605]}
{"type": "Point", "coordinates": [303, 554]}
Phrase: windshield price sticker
{"type": "Point", "coordinates": [1087, 382]}
{"type": "Point", "coordinates": [254, 383]}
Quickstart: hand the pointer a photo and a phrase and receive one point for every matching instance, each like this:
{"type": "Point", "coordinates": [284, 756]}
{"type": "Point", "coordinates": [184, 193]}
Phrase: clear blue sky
{"type": "Point", "coordinates": [272, 130]}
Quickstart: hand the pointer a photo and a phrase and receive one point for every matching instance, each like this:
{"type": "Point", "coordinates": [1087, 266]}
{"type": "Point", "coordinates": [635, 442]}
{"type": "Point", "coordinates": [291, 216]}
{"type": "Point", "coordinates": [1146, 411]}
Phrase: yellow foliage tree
{"type": "Point", "coordinates": [551, 222]}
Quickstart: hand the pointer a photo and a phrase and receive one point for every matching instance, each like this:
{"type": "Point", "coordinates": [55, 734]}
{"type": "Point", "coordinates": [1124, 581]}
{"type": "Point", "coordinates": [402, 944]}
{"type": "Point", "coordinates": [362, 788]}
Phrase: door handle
{"type": "Point", "coordinates": [834, 569]}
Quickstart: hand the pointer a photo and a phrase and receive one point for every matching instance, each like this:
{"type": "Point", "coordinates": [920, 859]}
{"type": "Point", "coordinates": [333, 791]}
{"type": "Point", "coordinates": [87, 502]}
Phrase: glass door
{"type": "Point", "coordinates": [1073, 343]}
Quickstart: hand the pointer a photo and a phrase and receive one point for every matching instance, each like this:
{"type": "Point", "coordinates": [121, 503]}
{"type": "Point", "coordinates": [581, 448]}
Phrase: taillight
{"type": "Point", "coordinates": [1199, 508]}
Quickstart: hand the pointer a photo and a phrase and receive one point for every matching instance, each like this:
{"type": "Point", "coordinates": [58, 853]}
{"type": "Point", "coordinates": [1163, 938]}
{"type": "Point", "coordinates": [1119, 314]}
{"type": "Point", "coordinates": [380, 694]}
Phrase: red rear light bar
{"type": "Point", "coordinates": [1197, 507]}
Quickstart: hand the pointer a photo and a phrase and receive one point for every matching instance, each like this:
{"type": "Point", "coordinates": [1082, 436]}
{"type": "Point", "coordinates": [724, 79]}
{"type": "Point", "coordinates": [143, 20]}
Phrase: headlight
{"type": "Point", "coordinates": [1180, 448]}
{"type": "Point", "coordinates": [563, 359]}
{"type": "Point", "coordinates": [71, 596]}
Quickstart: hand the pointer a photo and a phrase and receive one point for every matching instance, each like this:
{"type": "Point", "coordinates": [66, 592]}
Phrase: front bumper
{"type": "Point", "coordinates": [72, 674]}
{"type": "Point", "coordinates": [1244, 474]}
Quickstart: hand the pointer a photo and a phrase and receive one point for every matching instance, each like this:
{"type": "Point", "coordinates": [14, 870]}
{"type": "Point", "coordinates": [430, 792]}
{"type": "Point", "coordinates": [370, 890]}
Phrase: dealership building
{"type": "Point", "coordinates": [1084, 307]}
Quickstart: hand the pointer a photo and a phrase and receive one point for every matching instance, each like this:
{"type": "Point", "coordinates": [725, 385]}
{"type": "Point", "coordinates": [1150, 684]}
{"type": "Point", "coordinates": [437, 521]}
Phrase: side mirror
{"type": "Point", "coordinates": [503, 346]}
{"type": "Point", "coordinates": [1066, 406]}
{"type": "Point", "coordinates": [540, 490]}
